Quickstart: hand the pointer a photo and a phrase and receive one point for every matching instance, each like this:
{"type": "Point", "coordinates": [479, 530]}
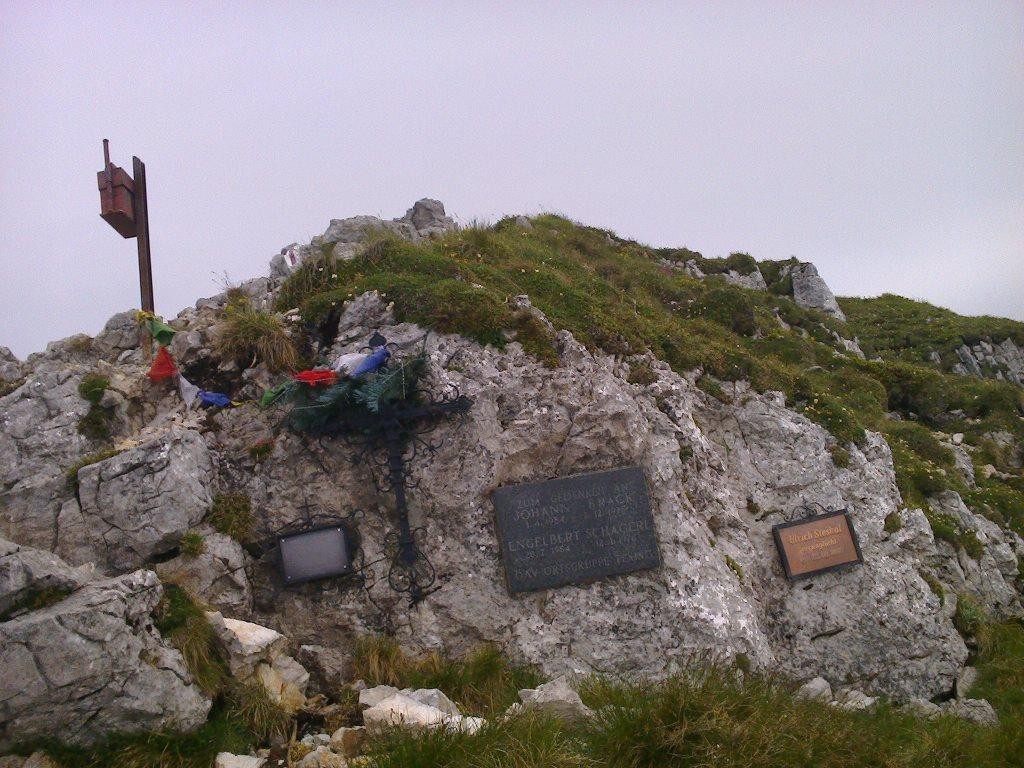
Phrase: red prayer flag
{"type": "Point", "coordinates": [163, 366]}
{"type": "Point", "coordinates": [316, 378]}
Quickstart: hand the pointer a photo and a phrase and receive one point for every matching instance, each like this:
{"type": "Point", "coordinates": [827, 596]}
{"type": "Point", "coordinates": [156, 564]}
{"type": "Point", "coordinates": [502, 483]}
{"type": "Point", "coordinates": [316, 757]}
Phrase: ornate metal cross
{"type": "Point", "coordinates": [389, 439]}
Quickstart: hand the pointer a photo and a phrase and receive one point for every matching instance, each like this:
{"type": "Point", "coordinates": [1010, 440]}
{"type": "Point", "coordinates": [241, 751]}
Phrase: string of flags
{"type": "Point", "coordinates": [164, 367]}
{"type": "Point", "coordinates": [352, 365]}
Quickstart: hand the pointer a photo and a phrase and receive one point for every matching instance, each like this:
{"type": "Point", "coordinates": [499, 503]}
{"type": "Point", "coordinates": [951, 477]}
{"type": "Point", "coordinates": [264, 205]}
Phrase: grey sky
{"type": "Point", "coordinates": [882, 141]}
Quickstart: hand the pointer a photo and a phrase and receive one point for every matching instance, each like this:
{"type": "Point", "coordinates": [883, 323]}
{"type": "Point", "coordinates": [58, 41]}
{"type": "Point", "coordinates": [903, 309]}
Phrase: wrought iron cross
{"type": "Point", "coordinates": [391, 438]}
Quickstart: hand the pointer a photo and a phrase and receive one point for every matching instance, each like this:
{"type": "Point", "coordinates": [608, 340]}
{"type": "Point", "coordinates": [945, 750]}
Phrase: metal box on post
{"type": "Point", "coordinates": [117, 197]}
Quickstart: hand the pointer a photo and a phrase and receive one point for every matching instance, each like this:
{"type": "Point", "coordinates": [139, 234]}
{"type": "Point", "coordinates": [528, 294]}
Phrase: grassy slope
{"type": "Point", "coordinates": [903, 329]}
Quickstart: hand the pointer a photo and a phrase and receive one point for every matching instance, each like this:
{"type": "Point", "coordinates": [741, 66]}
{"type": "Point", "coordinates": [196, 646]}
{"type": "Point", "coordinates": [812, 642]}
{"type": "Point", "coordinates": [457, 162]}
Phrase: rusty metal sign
{"type": "Point", "coordinates": [817, 544]}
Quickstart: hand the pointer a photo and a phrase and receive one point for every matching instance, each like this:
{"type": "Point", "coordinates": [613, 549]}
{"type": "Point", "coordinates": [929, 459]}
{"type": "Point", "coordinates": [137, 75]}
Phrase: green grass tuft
{"type": "Point", "coordinates": [248, 336]}
{"type": "Point", "coordinates": [231, 513]}
{"type": "Point", "coordinates": [95, 424]}
{"type": "Point", "coordinates": [192, 544]}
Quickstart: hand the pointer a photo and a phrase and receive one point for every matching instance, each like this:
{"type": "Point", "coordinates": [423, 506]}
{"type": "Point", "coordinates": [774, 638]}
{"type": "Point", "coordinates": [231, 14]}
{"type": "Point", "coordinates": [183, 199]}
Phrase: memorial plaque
{"type": "Point", "coordinates": [817, 544]}
{"type": "Point", "coordinates": [315, 554]}
{"type": "Point", "coordinates": [575, 529]}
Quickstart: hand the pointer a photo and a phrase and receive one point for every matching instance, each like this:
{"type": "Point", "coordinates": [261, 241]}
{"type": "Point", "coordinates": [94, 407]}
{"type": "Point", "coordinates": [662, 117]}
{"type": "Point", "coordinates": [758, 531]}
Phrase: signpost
{"type": "Point", "coordinates": [124, 206]}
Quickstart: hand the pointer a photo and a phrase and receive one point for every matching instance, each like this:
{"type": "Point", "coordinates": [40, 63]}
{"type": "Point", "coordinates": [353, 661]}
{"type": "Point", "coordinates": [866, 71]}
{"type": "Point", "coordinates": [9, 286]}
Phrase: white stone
{"type": "Point", "coordinates": [817, 689]}
{"type": "Point", "coordinates": [557, 698]}
{"type": "Point", "coordinates": [371, 697]}
{"type": "Point", "coordinates": [401, 711]}
{"type": "Point", "coordinates": [228, 760]}
{"type": "Point", "coordinates": [245, 643]}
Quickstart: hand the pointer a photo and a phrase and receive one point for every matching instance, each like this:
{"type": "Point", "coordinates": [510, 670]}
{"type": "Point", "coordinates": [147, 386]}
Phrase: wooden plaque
{"type": "Point", "coordinates": [817, 544]}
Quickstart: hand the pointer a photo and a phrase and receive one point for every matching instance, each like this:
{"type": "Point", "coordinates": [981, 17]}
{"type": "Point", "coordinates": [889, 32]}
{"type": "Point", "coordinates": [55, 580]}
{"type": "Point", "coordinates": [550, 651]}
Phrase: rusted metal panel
{"type": "Point", "coordinates": [117, 196]}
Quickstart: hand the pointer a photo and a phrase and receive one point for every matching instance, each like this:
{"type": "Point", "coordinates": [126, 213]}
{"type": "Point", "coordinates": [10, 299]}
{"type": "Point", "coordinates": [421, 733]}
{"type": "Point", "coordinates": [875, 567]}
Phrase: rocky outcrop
{"type": "Point", "coordinates": [344, 237]}
{"type": "Point", "coordinates": [721, 474]}
{"type": "Point", "coordinates": [985, 359]}
{"type": "Point", "coordinates": [810, 291]}
{"type": "Point", "coordinates": [91, 662]}
{"type": "Point", "coordinates": [139, 503]}
{"type": "Point", "coordinates": [10, 366]}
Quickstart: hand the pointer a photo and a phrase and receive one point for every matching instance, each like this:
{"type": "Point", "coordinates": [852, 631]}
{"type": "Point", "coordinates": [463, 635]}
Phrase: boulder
{"type": "Point", "coordinates": [433, 697]}
{"type": "Point", "coordinates": [10, 366]}
{"type": "Point", "coordinates": [810, 291]}
{"type": "Point", "coordinates": [285, 681]}
{"type": "Point", "coordinates": [94, 663]}
{"type": "Point", "coordinates": [329, 668]}
{"type": "Point", "coordinates": [922, 708]}
{"type": "Point", "coordinates": [965, 681]}
{"type": "Point", "coordinates": [322, 757]}
{"type": "Point", "coordinates": [556, 698]}
{"type": "Point", "coordinates": [138, 504]}
{"type": "Point", "coordinates": [371, 697]}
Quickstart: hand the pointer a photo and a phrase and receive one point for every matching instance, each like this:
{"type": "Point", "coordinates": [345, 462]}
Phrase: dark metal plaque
{"type": "Point", "coordinates": [817, 544]}
{"type": "Point", "coordinates": [314, 554]}
{"type": "Point", "coordinates": [575, 529]}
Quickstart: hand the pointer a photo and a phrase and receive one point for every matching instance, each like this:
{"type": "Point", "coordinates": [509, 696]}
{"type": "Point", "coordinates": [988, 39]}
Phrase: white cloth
{"type": "Point", "coordinates": [347, 363]}
{"type": "Point", "coordinates": [188, 391]}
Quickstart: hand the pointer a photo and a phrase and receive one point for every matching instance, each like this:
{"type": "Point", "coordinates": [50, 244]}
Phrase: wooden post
{"type": "Point", "coordinates": [142, 222]}
{"type": "Point", "coordinates": [142, 238]}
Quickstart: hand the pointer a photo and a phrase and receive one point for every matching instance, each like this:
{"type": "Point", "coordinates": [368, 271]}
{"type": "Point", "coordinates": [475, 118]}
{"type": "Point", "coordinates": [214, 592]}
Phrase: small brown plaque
{"type": "Point", "coordinates": [817, 544]}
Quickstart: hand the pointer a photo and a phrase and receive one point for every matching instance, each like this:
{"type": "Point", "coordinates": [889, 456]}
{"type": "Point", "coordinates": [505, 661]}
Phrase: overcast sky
{"type": "Point", "coordinates": [882, 141]}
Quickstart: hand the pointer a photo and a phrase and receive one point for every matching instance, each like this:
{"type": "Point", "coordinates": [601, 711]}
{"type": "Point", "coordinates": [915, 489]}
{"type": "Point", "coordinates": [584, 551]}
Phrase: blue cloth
{"type": "Point", "coordinates": [373, 362]}
{"type": "Point", "coordinates": [208, 399]}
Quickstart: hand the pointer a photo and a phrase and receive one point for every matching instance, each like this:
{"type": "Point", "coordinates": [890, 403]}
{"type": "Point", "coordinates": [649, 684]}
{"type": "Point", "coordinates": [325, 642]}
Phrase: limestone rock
{"type": "Point", "coordinates": [94, 663]}
{"type": "Point", "coordinates": [965, 681]}
{"type": "Point", "coordinates": [810, 291]}
{"type": "Point", "coordinates": [227, 760]}
{"type": "Point", "coordinates": [922, 708]}
{"type": "Point", "coordinates": [433, 697]}
{"type": "Point", "coordinates": [285, 681]}
{"type": "Point", "coordinates": [322, 757]}
{"type": "Point", "coordinates": [817, 689]}
{"type": "Point", "coordinates": [329, 668]}
{"type": "Point", "coordinates": [10, 366]}
{"type": "Point", "coordinates": [40, 760]}
{"type": "Point", "coordinates": [425, 219]}
{"type": "Point", "coordinates": [975, 710]}
{"type": "Point", "coordinates": [853, 699]}
{"type": "Point", "coordinates": [246, 645]}
{"type": "Point", "coordinates": [556, 698]}
{"type": "Point", "coordinates": [139, 503]}
{"type": "Point", "coordinates": [371, 697]}
{"type": "Point", "coordinates": [216, 575]}
{"type": "Point", "coordinates": [25, 572]}
{"type": "Point", "coordinates": [402, 711]}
